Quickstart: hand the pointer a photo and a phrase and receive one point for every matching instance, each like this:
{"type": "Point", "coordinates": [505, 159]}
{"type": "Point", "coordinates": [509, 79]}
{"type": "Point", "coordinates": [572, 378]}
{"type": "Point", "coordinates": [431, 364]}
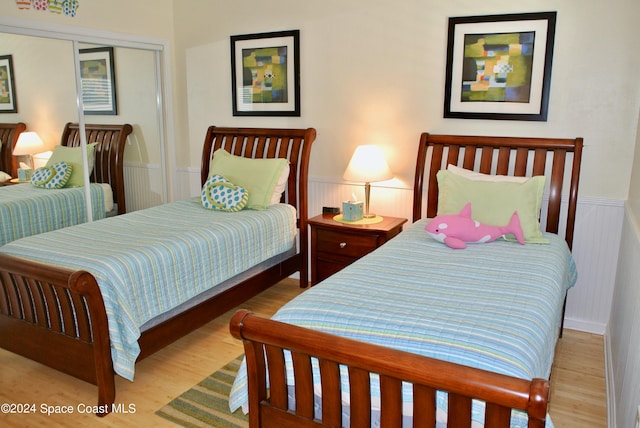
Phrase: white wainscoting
{"type": "Point", "coordinates": [622, 342]}
{"type": "Point", "coordinates": [595, 248]}
{"type": "Point", "coordinates": [142, 185]}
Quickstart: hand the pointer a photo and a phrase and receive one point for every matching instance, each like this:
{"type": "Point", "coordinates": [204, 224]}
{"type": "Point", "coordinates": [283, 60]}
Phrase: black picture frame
{"type": "Point", "coordinates": [268, 85]}
{"type": "Point", "coordinates": [98, 80]}
{"type": "Point", "coordinates": [513, 88]}
{"type": "Point", "coordinates": [8, 101]}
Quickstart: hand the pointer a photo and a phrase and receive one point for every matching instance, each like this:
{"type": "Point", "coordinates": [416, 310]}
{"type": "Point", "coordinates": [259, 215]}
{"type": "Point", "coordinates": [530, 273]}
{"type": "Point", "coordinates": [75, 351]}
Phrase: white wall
{"type": "Point", "coordinates": [373, 71]}
{"type": "Point", "coordinates": [45, 84]}
{"type": "Point", "coordinates": [623, 338]}
{"type": "Point", "coordinates": [623, 335]}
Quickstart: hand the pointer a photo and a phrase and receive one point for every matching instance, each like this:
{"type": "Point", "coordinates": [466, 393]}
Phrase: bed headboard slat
{"type": "Point", "coordinates": [9, 133]}
{"type": "Point", "coordinates": [499, 155]}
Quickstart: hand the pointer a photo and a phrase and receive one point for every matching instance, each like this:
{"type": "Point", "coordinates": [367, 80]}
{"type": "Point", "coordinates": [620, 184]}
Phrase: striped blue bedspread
{"type": "Point", "coordinates": [27, 210]}
{"type": "Point", "coordinates": [149, 261]}
{"type": "Point", "coordinates": [494, 306]}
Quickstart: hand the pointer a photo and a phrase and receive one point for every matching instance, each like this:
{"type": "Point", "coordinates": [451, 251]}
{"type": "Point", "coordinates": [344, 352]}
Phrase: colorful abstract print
{"type": "Point", "coordinates": [497, 67]}
{"type": "Point", "coordinates": [264, 75]}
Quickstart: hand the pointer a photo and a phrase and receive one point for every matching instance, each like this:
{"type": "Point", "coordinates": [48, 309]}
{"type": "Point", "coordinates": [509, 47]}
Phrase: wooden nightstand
{"type": "Point", "coordinates": [336, 245]}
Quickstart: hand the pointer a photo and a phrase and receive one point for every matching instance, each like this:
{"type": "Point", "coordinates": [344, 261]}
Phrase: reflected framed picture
{"type": "Point", "coordinates": [265, 74]}
{"type": "Point", "coordinates": [499, 66]}
{"type": "Point", "coordinates": [7, 86]}
{"type": "Point", "coordinates": [97, 75]}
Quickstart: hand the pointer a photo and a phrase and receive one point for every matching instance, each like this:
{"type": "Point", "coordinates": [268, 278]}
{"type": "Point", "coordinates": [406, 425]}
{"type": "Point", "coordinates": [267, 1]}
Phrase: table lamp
{"type": "Point", "coordinates": [28, 144]}
{"type": "Point", "coordinates": [367, 165]}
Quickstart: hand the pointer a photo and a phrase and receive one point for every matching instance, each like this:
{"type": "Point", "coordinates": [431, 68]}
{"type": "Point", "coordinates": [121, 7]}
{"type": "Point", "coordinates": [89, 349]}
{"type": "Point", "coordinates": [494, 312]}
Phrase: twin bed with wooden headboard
{"type": "Point", "coordinates": [92, 311]}
{"type": "Point", "coordinates": [28, 210]}
{"type": "Point", "coordinates": [414, 331]}
{"type": "Point", "coordinates": [420, 334]}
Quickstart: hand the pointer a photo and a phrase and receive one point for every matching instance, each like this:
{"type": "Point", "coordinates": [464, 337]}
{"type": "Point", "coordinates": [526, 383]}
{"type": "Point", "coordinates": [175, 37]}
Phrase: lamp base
{"type": "Point", "coordinates": [368, 216]}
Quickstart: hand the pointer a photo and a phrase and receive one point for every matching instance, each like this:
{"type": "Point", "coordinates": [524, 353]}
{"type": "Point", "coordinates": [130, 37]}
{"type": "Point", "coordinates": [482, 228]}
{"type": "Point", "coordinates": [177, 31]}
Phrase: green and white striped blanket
{"type": "Point", "coordinates": [27, 210]}
{"type": "Point", "coordinates": [148, 262]}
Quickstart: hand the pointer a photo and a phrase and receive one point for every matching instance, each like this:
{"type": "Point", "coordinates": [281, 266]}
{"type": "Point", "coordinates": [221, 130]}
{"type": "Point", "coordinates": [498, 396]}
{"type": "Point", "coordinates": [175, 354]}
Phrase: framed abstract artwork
{"type": "Point", "coordinates": [7, 86]}
{"type": "Point", "coordinates": [265, 74]}
{"type": "Point", "coordinates": [97, 75]}
{"type": "Point", "coordinates": [499, 66]}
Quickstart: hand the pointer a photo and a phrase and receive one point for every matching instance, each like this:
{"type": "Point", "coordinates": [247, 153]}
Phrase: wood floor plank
{"type": "Point", "coordinates": [578, 389]}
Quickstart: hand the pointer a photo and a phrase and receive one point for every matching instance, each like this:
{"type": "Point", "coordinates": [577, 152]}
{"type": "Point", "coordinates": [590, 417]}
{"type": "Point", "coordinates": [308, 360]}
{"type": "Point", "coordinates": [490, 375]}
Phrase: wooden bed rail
{"type": "Point", "coordinates": [36, 302]}
{"type": "Point", "coordinates": [263, 338]}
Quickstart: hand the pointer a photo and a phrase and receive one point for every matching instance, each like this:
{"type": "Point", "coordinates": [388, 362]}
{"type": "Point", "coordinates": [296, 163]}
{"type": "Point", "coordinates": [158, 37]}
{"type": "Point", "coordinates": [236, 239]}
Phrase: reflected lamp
{"type": "Point", "coordinates": [28, 144]}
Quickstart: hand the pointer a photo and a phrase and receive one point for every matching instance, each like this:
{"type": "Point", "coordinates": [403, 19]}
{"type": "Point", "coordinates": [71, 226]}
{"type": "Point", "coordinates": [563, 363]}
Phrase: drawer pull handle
{"type": "Point", "coordinates": [343, 244]}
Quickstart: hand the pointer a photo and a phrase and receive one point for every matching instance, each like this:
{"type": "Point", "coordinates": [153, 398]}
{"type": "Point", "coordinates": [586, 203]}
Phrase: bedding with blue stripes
{"type": "Point", "coordinates": [149, 261]}
{"type": "Point", "coordinates": [495, 306]}
{"type": "Point", "coordinates": [27, 210]}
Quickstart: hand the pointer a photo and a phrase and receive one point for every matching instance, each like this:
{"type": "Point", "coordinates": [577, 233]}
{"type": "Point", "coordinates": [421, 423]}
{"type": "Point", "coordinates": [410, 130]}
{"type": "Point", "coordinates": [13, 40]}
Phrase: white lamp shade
{"type": "Point", "coordinates": [28, 144]}
{"type": "Point", "coordinates": [367, 165]}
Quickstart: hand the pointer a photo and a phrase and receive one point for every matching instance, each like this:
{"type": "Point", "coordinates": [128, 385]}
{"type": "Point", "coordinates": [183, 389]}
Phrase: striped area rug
{"type": "Point", "coordinates": [206, 404]}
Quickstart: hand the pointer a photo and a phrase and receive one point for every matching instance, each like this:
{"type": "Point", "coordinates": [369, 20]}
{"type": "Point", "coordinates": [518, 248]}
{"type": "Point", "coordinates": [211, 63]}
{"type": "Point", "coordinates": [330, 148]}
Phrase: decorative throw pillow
{"type": "Point", "coordinates": [73, 156]}
{"type": "Point", "coordinates": [494, 202]}
{"type": "Point", "coordinates": [259, 176]}
{"type": "Point", "coordinates": [52, 177]}
{"type": "Point", "coordinates": [220, 194]}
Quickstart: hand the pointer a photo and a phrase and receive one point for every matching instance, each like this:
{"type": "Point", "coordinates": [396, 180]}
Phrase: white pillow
{"type": "Point", "coordinates": [280, 185]}
{"type": "Point", "coordinates": [4, 177]}
{"type": "Point", "coordinates": [477, 176]}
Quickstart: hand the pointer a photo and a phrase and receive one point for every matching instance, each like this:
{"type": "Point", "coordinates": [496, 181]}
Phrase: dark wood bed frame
{"type": "Point", "coordinates": [9, 133]}
{"type": "Point", "coordinates": [109, 154]}
{"type": "Point", "coordinates": [267, 340]}
{"type": "Point", "coordinates": [57, 317]}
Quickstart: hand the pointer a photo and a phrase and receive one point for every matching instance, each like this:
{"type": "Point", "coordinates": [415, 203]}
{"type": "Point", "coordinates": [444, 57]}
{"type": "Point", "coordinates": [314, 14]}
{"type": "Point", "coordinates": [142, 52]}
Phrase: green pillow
{"type": "Point", "coordinates": [493, 203]}
{"type": "Point", "coordinates": [258, 176]}
{"type": "Point", "coordinates": [73, 156]}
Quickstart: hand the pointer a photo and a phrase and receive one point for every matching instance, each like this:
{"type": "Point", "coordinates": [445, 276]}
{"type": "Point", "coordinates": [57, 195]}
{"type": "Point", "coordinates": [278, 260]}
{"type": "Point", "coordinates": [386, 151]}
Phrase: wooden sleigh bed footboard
{"type": "Point", "coordinates": [57, 316]}
{"type": "Point", "coordinates": [267, 340]}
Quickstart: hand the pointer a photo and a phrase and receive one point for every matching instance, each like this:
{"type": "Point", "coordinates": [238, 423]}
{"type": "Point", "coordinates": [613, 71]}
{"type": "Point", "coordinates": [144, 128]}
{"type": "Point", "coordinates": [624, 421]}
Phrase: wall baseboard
{"type": "Point", "coordinates": [608, 378]}
{"type": "Point", "coordinates": [585, 326]}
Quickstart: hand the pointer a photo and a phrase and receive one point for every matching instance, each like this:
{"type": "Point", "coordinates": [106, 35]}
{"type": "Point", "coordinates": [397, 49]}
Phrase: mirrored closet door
{"type": "Point", "coordinates": [47, 98]}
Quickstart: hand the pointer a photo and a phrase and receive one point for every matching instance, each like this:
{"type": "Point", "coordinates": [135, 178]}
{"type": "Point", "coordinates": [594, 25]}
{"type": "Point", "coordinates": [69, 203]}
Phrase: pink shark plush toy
{"type": "Point", "coordinates": [456, 229]}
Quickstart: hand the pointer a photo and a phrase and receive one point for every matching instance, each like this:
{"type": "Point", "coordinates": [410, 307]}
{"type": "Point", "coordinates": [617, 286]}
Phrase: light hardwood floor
{"type": "Point", "coordinates": [577, 383]}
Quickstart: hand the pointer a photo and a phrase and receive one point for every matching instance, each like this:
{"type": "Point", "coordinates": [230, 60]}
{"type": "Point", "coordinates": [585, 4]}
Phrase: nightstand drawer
{"type": "Point", "coordinates": [336, 245]}
{"type": "Point", "coordinates": [345, 244]}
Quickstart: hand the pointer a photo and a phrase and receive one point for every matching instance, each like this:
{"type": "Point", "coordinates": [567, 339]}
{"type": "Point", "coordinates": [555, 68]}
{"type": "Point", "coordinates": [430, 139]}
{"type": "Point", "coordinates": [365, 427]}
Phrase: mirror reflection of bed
{"type": "Point", "coordinates": [55, 197]}
{"type": "Point", "coordinates": [46, 101]}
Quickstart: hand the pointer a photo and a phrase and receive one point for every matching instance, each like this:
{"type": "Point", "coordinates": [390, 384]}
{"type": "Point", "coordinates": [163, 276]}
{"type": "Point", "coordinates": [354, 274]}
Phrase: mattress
{"type": "Point", "coordinates": [150, 261]}
{"type": "Point", "coordinates": [27, 210]}
{"type": "Point", "coordinates": [494, 306]}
